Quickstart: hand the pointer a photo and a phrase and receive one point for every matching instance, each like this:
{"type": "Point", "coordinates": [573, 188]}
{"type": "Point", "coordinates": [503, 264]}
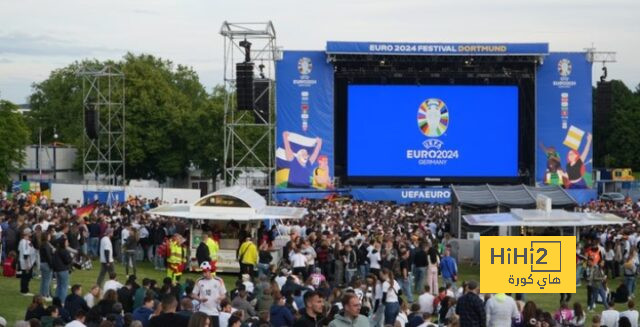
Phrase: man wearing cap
{"type": "Point", "coordinates": [27, 259]}
{"type": "Point", "coordinates": [210, 291]}
{"type": "Point", "coordinates": [106, 255]}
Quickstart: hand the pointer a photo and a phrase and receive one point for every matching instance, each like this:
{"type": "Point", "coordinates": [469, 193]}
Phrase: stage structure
{"type": "Point", "coordinates": [250, 53]}
{"type": "Point", "coordinates": [103, 94]}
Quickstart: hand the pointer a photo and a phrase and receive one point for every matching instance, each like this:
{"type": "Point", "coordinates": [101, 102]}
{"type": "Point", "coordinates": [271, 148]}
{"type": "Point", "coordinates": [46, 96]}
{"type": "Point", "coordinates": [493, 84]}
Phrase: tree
{"type": "Point", "coordinates": [14, 134]}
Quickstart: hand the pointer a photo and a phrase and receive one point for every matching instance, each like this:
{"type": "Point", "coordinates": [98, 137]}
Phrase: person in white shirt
{"type": "Point", "coordinates": [390, 297]}
{"type": "Point", "coordinates": [282, 278]}
{"type": "Point", "coordinates": [610, 316]}
{"type": "Point", "coordinates": [374, 259]}
{"type": "Point", "coordinates": [500, 310]}
{"type": "Point", "coordinates": [106, 255]}
{"type": "Point", "coordinates": [27, 258]}
{"type": "Point", "coordinates": [111, 284]}
{"type": "Point", "coordinates": [79, 320]}
{"type": "Point", "coordinates": [93, 296]}
{"type": "Point", "coordinates": [298, 262]}
{"type": "Point", "coordinates": [426, 300]}
{"type": "Point", "coordinates": [631, 313]}
{"type": "Point", "coordinates": [209, 290]}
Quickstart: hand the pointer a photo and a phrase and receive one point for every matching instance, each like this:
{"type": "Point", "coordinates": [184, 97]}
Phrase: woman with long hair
{"type": "Point", "coordinates": [630, 270]}
{"type": "Point", "coordinates": [433, 262]}
{"type": "Point", "coordinates": [529, 312]}
{"type": "Point", "coordinates": [35, 309]}
{"type": "Point", "coordinates": [61, 265]}
{"type": "Point", "coordinates": [579, 315]}
{"type": "Point", "coordinates": [46, 265]}
{"type": "Point", "coordinates": [390, 297]}
{"type": "Point", "coordinates": [199, 319]}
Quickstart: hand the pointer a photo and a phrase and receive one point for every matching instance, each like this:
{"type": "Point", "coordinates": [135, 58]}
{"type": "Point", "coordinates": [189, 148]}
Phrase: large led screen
{"type": "Point", "coordinates": [432, 131]}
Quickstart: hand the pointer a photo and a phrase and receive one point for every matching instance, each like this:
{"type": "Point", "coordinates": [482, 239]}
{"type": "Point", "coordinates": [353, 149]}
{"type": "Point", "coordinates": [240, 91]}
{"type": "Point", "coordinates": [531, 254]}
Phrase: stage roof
{"type": "Point", "coordinates": [541, 218]}
{"type": "Point", "coordinates": [233, 203]}
{"type": "Point", "coordinates": [508, 195]}
{"type": "Point", "coordinates": [438, 49]}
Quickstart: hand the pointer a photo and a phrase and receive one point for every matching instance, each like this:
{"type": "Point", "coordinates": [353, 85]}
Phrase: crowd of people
{"type": "Point", "coordinates": [347, 263]}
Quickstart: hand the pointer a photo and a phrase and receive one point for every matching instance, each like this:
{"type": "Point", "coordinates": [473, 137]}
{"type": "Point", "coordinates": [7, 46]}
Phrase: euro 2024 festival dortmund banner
{"type": "Point", "coordinates": [304, 154]}
{"type": "Point", "coordinates": [564, 121]}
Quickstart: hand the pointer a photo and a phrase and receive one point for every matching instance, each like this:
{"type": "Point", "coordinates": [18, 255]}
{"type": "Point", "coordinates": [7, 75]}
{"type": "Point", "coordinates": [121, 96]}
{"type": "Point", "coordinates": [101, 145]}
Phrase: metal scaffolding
{"type": "Point", "coordinates": [103, 92]}
{"type": "Point", "coordinates": [249, 135]}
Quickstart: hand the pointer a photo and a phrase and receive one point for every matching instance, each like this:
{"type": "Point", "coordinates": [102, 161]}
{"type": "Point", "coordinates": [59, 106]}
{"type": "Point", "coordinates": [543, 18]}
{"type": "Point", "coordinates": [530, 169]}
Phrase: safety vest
{"type": "Point", "coordinates": [176, 253]}
{"type": "Point", "coordinates": [213, 248]}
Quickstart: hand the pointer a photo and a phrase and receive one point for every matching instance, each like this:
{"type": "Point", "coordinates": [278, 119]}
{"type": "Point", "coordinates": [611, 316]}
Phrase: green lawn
{"type": "Point", "coordinates": [13, 305]}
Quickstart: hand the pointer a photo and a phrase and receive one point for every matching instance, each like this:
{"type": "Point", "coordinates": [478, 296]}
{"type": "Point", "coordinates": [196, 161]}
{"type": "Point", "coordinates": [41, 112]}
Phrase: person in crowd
{"type": "Point", "coordinates": [209, 290]}
{"type": "Point", "coordinates": [61, 266]}
{"type": "Point", "coordinates": [433, 261]}
{"type": "Point", "coordinates": [106, 256]}
{"type": "Point", "coordinates": [350, 317]}
{"type": "Point", "coordinates": [579, 316]}
{"type": "Point", "coordinates": [247, 256]}
{"type": "Point", "coordinates": [36, 309]}
{"type": "Point", "coordinates": [46, 265]}
{"type": "Point", "coordinates": [610, 316]}
{"type": "Point", "coordinates": [199, 319]}
{"type": "Point", "coordinates": [74, 302]}
{"type": "Point", "coordinates": [112, 283]}
{"type": "Point", "coordinates": [93, 297]}
{"type": "Point", "coordinates": [78, 320]}
{"type": "Point", "coordinates": [470, 308]}
{"type": "Point", "coordinates": [390, 297]}
{"type": "Point", "coordinates": [311, 316]}
{"type": "Point", "coordinates": [202, 252]}
{"type": "Point", "coordinates": [449, 268]}
{"type": "Point", "coordinates": [27, 259]}
{"type": "Point", "coordinates": [501, 309]}
{"type": "Point", "coordinates": [631, 313]}
{"type": "Point", "coordinates": [281, 316]}
{"type": "Point", "coordinates": [168, 317]}
{"type": "Point", "coordinates": [144, 312]}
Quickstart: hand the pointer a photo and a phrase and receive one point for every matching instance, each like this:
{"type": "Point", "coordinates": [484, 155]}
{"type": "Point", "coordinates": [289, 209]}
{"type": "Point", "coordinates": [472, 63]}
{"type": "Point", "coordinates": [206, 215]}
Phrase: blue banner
{"type": "Point", "coordinates": [402, 48]}
{"type": "Point", "coordinates": [564, 121]}
{"type": "Point", "coordinates": [403, 195]}
{"type": "Point", "coordinates": [108, 197]}
{"type": "Point", "coordinates": [304, 154]}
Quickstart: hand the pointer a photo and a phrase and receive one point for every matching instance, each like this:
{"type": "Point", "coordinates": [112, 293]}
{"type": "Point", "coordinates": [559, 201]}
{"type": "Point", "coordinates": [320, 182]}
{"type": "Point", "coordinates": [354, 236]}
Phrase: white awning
{"type": "Point", "coordinates": [234, 203]}
{"type": "Point", "coordinates": [541, 218]}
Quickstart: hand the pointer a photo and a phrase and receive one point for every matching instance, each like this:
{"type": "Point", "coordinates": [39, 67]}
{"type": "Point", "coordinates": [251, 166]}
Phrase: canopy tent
{"type": "Point", "coordinates": [473, 199]}
{"type": "Point", "coordinates": [512, 196]}
{"type": "Point", "coordinates": [232, 203]}
{"type": "Point", "coordinates": [541, 218]}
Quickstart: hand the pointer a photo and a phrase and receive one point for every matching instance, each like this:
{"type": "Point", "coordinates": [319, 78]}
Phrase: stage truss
{"type": "Point", "coordinates": [103, 90]}
{"type": "Point", "coordinates": [249, 144]}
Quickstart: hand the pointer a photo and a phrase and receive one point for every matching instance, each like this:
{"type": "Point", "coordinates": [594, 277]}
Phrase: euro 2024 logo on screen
{"type": "Point", "coordinates": [564, 70]}
{"type": "Point", "coordinates": [305, 66]}
{"type": "Point", "coordinates": [433, 121]}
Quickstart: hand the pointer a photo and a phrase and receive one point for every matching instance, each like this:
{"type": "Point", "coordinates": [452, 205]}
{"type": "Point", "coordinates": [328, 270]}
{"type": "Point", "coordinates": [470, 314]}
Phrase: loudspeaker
{"type": "Point", "coordinates": [91, 122]}
{"type": "Point", "coordinates": [261, 100]}
{"type": "Point", "coordinates": [244, 86]}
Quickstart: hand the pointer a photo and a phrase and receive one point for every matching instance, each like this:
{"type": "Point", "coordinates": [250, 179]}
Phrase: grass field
{"type": "Point", "coordinates": [13, 305]}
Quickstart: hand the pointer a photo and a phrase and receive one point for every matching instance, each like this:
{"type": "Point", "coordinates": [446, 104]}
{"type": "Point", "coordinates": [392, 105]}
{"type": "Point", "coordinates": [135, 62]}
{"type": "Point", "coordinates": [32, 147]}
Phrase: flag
{"type": "Point", "coordinates": [574, 137]}
{"type": "Point", "coordinates": [86, 210]}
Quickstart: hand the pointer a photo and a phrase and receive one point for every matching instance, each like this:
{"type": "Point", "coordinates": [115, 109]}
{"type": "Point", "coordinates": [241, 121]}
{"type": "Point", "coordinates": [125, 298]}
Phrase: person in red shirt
{"type": "Point", "coordinates": [9, 265]}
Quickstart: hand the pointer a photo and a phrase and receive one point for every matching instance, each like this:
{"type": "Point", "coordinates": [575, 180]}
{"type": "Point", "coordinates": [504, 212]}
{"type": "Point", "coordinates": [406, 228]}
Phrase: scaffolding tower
{"type": "Point", "coordinates": [249, 135]}
{"type": "Point", "coordinates": [103, 94]}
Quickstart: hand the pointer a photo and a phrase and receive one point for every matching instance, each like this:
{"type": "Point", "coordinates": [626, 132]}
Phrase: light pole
{"type": "Point", "coordinates": [55, 140]}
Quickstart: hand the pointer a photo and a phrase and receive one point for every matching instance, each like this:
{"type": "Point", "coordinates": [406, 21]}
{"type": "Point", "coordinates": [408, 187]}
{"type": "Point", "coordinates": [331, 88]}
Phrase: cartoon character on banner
{"type": "Point", "coordinates": [554, 174]}
{"type": "Point", "coordinates": [576, 162]}
{"type": "Point", "coordinates": [297, 168]}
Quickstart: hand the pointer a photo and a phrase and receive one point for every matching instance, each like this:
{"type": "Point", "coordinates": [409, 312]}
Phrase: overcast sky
{"type": "Point", "coordinates": [39, 36]}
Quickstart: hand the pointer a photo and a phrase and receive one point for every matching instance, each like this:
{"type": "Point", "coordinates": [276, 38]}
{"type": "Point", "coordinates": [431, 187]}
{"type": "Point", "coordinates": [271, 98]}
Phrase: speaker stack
{"type": "Point", "coordinates": [244, 86]}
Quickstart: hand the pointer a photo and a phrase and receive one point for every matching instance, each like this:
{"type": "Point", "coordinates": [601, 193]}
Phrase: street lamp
{"type": "Point", "coordinates": [55, 140]}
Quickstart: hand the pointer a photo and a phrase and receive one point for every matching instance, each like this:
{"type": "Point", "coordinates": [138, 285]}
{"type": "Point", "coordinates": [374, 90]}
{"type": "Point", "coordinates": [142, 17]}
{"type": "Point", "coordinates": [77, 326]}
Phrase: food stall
{"type": "Point", "coordinates": [230, 212]}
